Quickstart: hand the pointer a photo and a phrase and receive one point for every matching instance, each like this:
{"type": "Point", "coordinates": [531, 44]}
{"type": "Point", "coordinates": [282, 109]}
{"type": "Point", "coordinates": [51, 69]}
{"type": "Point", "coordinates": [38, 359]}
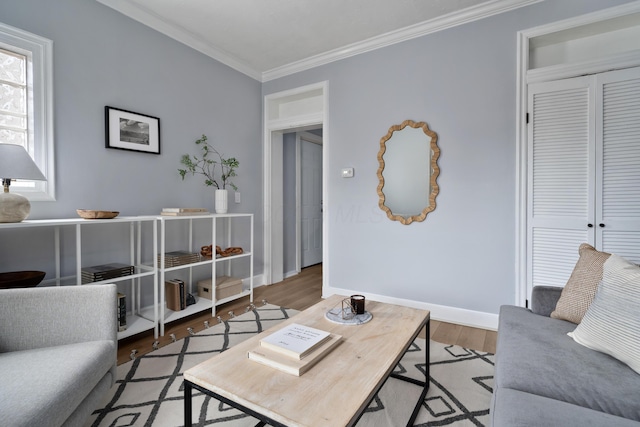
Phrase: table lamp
{"type": "Point", "coordinates": [15, 163]}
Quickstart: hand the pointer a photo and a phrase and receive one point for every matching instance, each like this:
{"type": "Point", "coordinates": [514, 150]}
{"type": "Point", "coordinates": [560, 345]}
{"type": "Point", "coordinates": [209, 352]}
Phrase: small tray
{"type": "Point", "coordinates": [334, 315]}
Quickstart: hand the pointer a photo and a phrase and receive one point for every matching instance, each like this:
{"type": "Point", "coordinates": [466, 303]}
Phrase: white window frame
{"type": "Point", "coordinates": [39, 53]}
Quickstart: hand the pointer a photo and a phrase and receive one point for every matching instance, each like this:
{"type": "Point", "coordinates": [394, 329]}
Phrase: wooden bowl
{"type": "Point", "coordinates": [89, 214]}
{"type": "Point", "coordinates": [20, 279]}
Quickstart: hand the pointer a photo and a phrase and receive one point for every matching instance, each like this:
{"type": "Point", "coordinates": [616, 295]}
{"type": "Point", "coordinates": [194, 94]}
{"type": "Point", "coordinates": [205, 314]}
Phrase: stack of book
{"type": "Point", "coordinates": [176, 258]}
{"type": "Point", "coordinates": [98, 273]}
{"type": "Point", "coordinates": [294, 349]}
{"type": "Point", "coordinates": [183, 211]}
{"type": "Point", "coordinates": [122, 312]}
{"type": "Point", "coordinates": [175, 294]}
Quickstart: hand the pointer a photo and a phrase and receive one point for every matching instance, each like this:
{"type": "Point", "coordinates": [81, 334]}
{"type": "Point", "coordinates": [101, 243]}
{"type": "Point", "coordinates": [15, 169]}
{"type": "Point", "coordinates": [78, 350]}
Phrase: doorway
{"type": "Point", "coordinates": [295, 110]}
{"type": "Point", "coordinates": [302, 200]}
{"type": "Point", "coordinates": [310, 200]}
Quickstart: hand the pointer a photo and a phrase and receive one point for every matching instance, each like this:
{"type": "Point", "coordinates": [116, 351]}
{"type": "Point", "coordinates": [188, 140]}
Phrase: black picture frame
{"type": "Point", "coordinates": [126, 130]}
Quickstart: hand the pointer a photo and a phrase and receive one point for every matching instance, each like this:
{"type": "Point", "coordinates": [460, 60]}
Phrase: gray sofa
{"type": "Point", "coordinates": [544, 378]}
{"type": "Point", "coordinates": [58, 350]}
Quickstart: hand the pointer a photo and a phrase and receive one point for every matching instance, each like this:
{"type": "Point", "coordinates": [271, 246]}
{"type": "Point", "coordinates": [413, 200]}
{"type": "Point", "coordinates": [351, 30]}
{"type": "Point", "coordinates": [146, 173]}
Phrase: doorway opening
{"type": "Point", "coordinates": [302, 112]}
{"type": "Point", "coordinates": [302, 200]}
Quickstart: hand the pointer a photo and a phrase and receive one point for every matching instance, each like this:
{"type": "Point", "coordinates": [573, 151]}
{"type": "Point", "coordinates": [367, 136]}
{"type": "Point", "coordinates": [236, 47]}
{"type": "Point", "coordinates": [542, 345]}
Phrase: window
{"type": "Point", "coordinates": [26, 104]}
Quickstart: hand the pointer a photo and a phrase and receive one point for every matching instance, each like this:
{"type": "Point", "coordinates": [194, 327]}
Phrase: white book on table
{"type": "Point", "coordinates": [295, 340]}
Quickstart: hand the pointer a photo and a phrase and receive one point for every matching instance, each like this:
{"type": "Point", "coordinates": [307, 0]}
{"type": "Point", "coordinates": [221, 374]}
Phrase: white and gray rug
{"type": "Point", "coordinates": [149, 391]}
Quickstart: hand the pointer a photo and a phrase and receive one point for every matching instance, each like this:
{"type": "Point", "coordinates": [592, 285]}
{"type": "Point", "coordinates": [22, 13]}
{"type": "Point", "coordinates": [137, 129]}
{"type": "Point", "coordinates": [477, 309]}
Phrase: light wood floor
{"type": "Point", "coordinates": [298, 292]}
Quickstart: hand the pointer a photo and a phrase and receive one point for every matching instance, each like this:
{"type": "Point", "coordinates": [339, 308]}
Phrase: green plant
{"type": "Point", "coordinates": [206, 166]}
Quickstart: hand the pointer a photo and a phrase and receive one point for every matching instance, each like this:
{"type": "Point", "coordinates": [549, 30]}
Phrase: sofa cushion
{"type": "Point", "coordinates": [581, 287]}
{"type": "Point", "coordinates": [515, 408]}
{"type": "Point", "coordinates": [612, 323]}
{"type": "Point", "coordinates": [46, 385]}
{"type": "Point", "coordinates": [535, 355]}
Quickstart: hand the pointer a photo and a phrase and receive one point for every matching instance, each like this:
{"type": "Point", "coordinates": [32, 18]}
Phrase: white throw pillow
{"type": "Point", "coordinates": [612, 322]}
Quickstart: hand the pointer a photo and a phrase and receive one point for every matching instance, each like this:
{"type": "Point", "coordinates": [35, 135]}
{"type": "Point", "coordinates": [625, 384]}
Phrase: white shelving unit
{"type": "Point", "coordinates": [194, 245]}
{"type": "Point", "coordinates": [139, 319]}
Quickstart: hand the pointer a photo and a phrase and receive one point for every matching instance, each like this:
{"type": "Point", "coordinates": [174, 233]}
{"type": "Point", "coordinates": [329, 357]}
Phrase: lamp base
{"type": "Point", "coordinates": [13, 207]}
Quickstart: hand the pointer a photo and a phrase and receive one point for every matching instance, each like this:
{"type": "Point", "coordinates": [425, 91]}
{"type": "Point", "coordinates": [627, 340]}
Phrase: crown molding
{"type": "Point", "coordinates": [451, 20]}
{"type": "Point", "coordinates": [152, 20]}
{"type": "Point", "coordinates": [440, 23]}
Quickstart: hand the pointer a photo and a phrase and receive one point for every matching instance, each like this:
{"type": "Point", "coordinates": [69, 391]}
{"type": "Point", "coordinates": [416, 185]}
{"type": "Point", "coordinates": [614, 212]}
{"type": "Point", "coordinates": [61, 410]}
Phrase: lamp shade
{"type": "Point", "coordinates": [15, 163]}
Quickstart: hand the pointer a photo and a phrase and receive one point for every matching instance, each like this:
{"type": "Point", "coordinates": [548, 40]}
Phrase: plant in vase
{"type": "Point", "coordinates": [206, 166]}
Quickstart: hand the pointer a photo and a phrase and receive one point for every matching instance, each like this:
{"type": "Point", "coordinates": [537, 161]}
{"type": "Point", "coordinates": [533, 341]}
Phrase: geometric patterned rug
{"type": "Point", "coordinates": [148, 391]}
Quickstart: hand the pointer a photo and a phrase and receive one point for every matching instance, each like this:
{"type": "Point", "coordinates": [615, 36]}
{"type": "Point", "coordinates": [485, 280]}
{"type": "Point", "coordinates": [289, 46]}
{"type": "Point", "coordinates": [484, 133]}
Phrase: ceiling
{"type": "Point", "coordinates": [267, 39]}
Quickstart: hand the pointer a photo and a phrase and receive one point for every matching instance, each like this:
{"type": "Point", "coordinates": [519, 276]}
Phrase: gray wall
{"type": "Point", "coordinates": [462, 82]}
{"type": "Point", "coordinates": [104, 58]}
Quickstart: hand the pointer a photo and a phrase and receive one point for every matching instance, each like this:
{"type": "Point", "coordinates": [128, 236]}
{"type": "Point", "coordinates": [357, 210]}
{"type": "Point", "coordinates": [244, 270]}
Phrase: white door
{"type": "Point", "coordinates": [618, 150]}
{"type": "Point", "coordinates": [560, 181]}
{"type": "Point", "coordinates": [584, 172]}
{"type": "Point", "coordinates": [311, 203]}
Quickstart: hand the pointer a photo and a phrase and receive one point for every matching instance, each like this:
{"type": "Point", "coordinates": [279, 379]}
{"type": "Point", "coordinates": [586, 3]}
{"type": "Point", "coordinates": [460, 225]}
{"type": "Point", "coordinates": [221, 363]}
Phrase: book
{"type": "Point", "coordinates": [274, 359]}
{"type": "Point", "coordinates": [176, 258]}
{"type": "Point", "coordinates": [98, 273]}
{"type": "Point", "coordinates": [183, 210]}
{"type": "Point", "coordinates": [122, 312]}
{"type": "Point", "coordinates": [183, 213]}
{"type": "Point", "coordinates": [175, 294]}
{"type": "Point", "coordinates": [295, 340]}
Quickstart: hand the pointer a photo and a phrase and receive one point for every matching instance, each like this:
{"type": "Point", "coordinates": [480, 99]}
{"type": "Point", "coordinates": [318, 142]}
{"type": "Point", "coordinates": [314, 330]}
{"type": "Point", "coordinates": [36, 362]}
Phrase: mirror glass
{"type": "Point", "coordinates": [408, 171]}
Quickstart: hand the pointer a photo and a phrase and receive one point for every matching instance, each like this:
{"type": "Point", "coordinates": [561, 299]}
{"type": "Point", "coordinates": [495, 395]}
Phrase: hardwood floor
{"type": "Point", "coordinates": [298, 292]}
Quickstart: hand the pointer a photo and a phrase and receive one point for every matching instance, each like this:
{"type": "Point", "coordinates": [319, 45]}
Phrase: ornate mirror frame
{"type": "Point", "coordinates": [433, 173]}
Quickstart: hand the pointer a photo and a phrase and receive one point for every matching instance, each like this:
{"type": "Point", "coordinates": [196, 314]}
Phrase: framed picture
{"type": "Point", "coordinates": [126, 130]}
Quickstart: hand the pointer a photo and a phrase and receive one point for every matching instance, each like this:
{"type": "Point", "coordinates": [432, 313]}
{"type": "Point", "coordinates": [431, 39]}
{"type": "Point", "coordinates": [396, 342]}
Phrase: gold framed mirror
{"type": "Point", "coordinates": [408, 172]}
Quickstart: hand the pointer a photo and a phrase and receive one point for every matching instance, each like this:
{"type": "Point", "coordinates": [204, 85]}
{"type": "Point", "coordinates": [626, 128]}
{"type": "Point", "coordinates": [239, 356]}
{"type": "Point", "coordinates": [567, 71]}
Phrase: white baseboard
{"type": "Point", "coordinates": [291, 273]}
{"type": "Point", "coordinates": [258, 281]}
{"type": "Point", "coordinates": [461, 316]}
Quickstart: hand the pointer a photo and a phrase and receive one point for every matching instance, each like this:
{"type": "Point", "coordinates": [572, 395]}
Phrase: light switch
{"type": "Point", "coordinates": [237, 197]}
{"type": "Point", "coordinates": [347, 173]}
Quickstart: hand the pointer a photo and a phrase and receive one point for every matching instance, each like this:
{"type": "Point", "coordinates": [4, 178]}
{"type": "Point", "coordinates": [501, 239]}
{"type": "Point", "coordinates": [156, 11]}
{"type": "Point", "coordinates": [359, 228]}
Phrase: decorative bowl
{"type": "Point", "coordinates": [20, 279]}
{"type": "Point", "coordinates": [89, 214]}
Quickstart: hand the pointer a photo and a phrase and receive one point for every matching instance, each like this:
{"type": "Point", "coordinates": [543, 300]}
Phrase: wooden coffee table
{"type": "Point", "coordinates": [336, 391]}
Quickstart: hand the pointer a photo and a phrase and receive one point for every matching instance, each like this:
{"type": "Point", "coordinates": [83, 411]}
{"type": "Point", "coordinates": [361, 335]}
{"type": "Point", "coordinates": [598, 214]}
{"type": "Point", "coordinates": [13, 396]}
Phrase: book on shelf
{"type": "Point", "coordinates": [102, 272]}
{"type": "Point", "coordinates": [184, 210]}
{"type": "Point", "coordinates": [277, 360]}
{"type": "Point", "coordinates": [122, 312]}
{"type": "Point", "coordinates": [295, 340]}
{"type": "Point", "coordinates": [175, 294]}
{"type": "Point", "coordinates": [176, 258]}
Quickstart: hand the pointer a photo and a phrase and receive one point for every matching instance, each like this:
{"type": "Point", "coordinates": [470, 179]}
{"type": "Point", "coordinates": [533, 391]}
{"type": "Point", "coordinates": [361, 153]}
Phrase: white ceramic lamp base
{"type": "Point", "coordinates": [13, 207]}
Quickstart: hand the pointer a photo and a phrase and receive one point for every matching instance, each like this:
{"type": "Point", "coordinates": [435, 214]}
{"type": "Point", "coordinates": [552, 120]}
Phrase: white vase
{"type": "Point", "coordinates": [222, 198]}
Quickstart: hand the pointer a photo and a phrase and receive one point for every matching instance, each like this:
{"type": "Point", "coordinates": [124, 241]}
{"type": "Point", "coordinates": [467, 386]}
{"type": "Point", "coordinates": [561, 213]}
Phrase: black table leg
{"type": "Point", "coordinates": [188, 390]}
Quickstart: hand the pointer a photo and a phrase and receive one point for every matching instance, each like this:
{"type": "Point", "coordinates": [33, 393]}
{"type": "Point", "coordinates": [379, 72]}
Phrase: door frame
{"type": "Point", "coordinates": [313, 112]}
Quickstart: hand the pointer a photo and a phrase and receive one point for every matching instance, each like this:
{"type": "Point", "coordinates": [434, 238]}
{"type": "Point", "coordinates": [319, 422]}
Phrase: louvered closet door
{"type": "Point", "coordinates": [561, 187]}
{"type": "Point", "coordinates": [618, 142]}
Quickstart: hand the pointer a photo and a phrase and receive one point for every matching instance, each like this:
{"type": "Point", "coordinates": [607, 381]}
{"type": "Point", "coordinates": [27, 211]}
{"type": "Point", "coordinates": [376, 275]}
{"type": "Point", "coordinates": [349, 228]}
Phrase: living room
{"type": "Point", "coordinates": [461, 81]}
{"type": "Point", "coordinates": [461, 262]}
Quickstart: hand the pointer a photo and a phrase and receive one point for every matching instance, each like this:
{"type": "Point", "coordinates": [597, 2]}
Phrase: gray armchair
{"type": "Point", "coordinates": [58, 349]}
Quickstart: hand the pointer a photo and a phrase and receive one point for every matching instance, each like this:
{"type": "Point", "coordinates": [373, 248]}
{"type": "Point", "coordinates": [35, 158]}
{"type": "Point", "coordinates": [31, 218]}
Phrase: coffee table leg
{"type": "Point", "coordinates": [414, 415]}
{"type": "Point", "coordinates": [188, 390]}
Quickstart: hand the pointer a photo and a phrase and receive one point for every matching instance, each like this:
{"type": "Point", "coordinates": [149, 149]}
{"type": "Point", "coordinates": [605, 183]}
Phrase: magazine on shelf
{"type": "Point", "coordinates": [295, 340]}
{"type": "Point", "coordinates": [277, 360]}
